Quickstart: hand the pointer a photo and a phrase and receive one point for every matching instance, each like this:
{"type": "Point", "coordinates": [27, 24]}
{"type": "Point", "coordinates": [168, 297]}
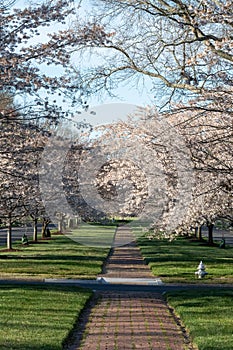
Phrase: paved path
{"type": "Point", "coordinates": [126, 261]}
{"type": "Point", "coordinates": [129, 319]}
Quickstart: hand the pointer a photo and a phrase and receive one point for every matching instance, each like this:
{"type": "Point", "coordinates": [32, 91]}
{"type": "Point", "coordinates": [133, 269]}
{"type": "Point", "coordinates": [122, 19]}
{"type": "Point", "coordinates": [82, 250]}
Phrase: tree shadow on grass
{"type": "Point", "coordinates": [51, 257]}
{"type": "Point", "coordinates": [179, 251]}
{"type": "Point", "coordinates": [28, 346]}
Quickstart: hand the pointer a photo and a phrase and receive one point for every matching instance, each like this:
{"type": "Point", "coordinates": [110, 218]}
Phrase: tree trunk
{"type": "Point", "coordinates": [77, 221]}
{"type": "Point", "coordinates": [9, 234]}
{"type": "Point", "coordinates": [210, 234]}
{"type": "Point", "coordinates": [195, 232]}
{"type": "Point", "coordinates": [199, 232]}
{"type": "Point", "coordinates": [70, 223]}
{"type": "Point", "coordinates": [44, 227]}
{"type": "Point", "coordinates": [60, 225]}
{"type": "Point", "coordinates": [35, 229]}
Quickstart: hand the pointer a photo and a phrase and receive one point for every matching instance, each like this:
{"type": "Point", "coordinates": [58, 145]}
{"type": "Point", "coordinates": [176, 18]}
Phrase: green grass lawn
{"type": "Point", "coordinates": [208, 316]}
{"type": "Point", "coordinates": [58, 257]}
{"type": "Point", "coordinates": [38, 317]}
{"type": "Point", "coordinates": [93, 235]}
{"type": "Point", "coordinates": [177, 261]}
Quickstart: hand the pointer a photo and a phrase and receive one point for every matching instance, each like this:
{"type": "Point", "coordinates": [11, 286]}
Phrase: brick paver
{"type": "Point", "coordinates": [130, 320]}
{"type": "Point", "coordinates": [126, 261]}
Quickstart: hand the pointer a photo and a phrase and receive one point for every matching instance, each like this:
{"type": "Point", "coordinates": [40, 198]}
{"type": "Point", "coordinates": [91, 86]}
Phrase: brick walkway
{"type": "Point", "coordinates": [126, 261]}
{"type": "Point", "coordinates": [130, 320]}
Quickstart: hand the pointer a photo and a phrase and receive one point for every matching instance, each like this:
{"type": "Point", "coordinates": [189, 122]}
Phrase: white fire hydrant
{"type": "Point", "coordinates": [201, 270]}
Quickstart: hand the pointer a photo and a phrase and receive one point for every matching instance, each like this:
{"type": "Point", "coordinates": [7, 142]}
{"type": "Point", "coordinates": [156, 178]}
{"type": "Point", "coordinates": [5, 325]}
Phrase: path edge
{"type": "Point", "coordinates": [186, 335]}
{"type": "Point", "coordinates": [76, 335]}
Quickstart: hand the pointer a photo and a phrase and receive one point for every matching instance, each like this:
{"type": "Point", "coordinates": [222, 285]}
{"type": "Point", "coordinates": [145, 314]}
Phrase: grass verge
{"type": "Point", "coordinates": [38, 317]}
{"type": "Point", "coordinates": [207, 315]}
{"type": "Point", "coordinates": [93, 234]}
{"type": "Point", "coordinates": [177, 261]}
{"type": "Point", "coordinates": [58, 257]}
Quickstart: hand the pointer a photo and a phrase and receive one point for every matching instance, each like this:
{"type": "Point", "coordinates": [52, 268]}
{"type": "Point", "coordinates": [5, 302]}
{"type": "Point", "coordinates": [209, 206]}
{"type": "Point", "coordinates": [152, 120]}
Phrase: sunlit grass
{"type": "Point", "coordinates": [177, 261]}
{"type": "Point", "coordinates": [58, 257]}
{"type": "Point", "coordinates": [93, 235]}
{"type": "Point", "coordinates": [38, 317]}
{"type": "Point", "coordinates": [208, 316]}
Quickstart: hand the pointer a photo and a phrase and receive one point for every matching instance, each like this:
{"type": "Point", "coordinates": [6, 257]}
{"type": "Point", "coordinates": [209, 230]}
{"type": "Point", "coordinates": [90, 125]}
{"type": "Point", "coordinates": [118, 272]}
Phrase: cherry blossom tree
{"type": "Point", "coordinates": [15, 171]}
{"type": "Point", "coordinates": [205, 139]}
{"type": "Point", "coordinates": [209, 138]}
{"type": "Point", "coordinates": [36, 66]}
{"type": "Point", "coordinates": [35, 78]}
{"type": "Point", "coordinates": [134, 168]}
{"type": "Point", "coordinates": [123, 176]}
{"type": "Point", "coordinates": [185, 49]}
